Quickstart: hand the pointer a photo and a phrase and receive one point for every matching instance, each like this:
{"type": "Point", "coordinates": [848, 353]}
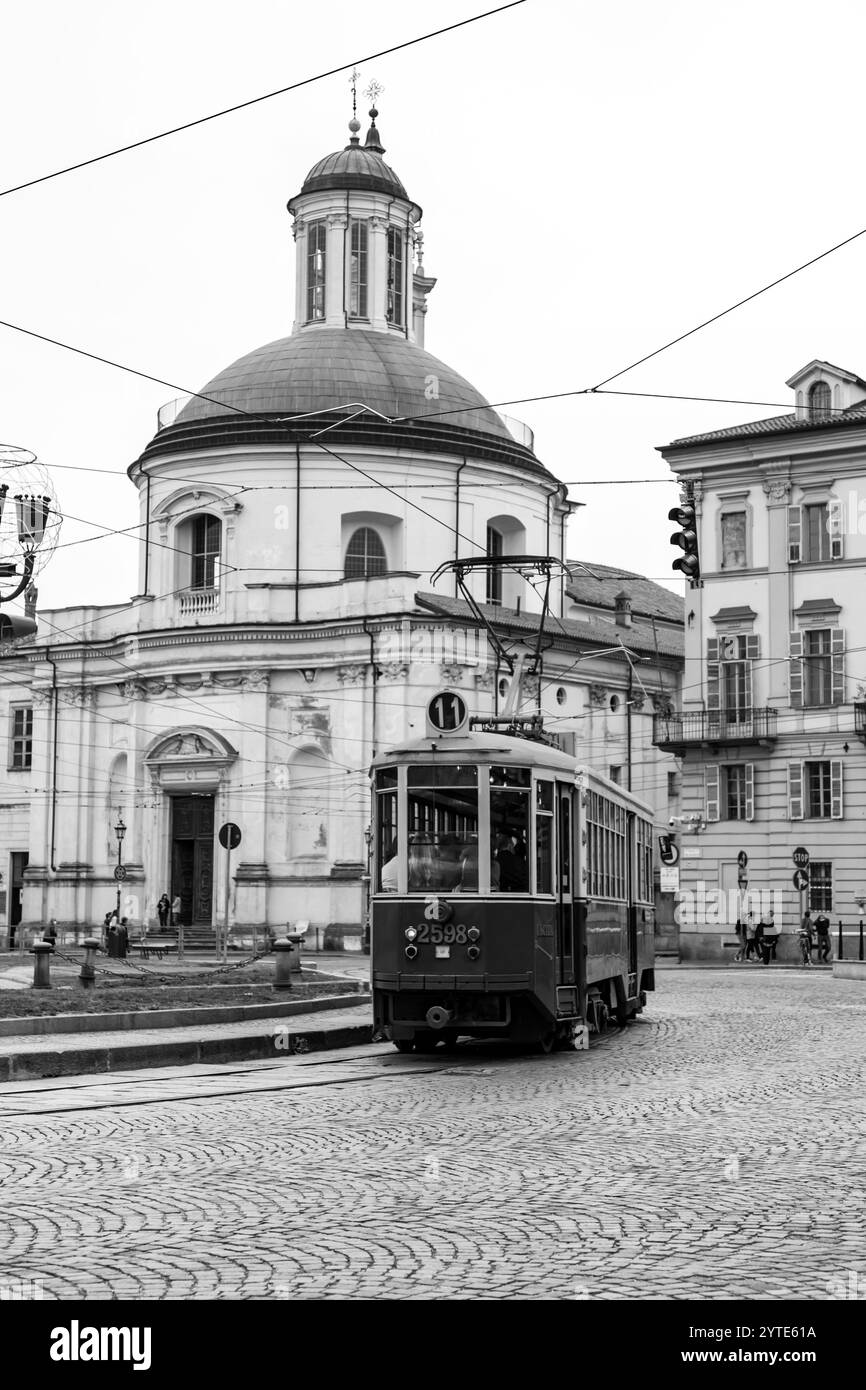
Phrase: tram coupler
{"type": "Point", "coordinates": [437, 1017]}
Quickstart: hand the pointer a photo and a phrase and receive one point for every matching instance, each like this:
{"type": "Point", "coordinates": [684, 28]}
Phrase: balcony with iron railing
{"type": "Point", "coordinates": [678, 731]}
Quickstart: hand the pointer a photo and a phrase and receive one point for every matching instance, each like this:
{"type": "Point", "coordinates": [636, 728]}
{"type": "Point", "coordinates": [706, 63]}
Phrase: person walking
{"type": "Point", "coordinates": [750, 938]}
{"type": "Point", "coordinates": [822, 932]}
{"type": "Point", "coordinates": [806, 938]}
{"type": "Point", "coordinates": [769, 937]}
{"type": "Point", "coordinates": [163, 910]}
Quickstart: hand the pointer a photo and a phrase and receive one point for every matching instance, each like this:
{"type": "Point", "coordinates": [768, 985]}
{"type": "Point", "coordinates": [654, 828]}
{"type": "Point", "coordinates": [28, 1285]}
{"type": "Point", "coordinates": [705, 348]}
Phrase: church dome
{"type": "Point", "coordinates": [354, 167]}
{"type": "Point", "coordinates": [358, 166]}
{"type": "Point", "coordinates": [330, 368]}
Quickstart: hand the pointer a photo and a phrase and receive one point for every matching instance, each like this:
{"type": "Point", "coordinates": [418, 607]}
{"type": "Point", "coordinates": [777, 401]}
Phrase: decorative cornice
{"type": "Point", "coordinates": [597, 695]}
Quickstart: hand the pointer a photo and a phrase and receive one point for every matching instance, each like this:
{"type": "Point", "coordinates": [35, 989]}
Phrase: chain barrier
{"type": "Point", "coordinates": [158, 975]}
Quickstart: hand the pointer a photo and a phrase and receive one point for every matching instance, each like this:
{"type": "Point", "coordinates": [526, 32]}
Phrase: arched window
{"type": "Point", "coordinates": [316, 234]}
{"type": "Point", "coordinates": [205, 540]}
{"type": "Point", "coordinates": [819, 401]}
{"type": "Point", "coordinates": [495, 549]}
{"type": "Point", "coordinates": [365, 555]}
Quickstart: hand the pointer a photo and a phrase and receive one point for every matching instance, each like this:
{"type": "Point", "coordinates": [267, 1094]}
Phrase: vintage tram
{"type": "Point", "coordinates": [511, 892]}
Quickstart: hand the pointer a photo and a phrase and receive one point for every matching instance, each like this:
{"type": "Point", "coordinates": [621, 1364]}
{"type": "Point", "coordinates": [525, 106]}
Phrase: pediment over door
{"type": "Point", "coordinates": [189, 757]}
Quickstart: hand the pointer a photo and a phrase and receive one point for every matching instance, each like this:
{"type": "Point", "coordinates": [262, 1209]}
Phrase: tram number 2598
{"type": "Point", "coordinates": [441, 934]}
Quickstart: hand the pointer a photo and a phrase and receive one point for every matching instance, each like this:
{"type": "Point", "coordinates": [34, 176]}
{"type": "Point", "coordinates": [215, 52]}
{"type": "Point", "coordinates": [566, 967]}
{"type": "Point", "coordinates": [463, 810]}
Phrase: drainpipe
{"type": "Point", "coordinates": [375, 674]}
{"type": "Point", "coordinates": [457, 521]}
{"type": "Point", "coordinates": [53, 760]}
{"type": "Point", "coordinates": [147, 535]}
{"type": "Point", "coordinates": [297, 532]}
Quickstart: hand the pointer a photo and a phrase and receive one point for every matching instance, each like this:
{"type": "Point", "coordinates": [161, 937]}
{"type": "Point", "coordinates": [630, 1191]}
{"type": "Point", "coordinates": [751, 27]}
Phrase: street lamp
{"type": "Point", "coordinates": [29, 524]}
{"type": "Point", "coordinates": [120, 831]}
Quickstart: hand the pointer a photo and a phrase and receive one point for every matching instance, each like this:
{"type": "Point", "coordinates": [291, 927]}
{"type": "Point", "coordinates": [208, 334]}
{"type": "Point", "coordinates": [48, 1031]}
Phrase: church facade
{"type": "Point", "coordinates": [287, 625]}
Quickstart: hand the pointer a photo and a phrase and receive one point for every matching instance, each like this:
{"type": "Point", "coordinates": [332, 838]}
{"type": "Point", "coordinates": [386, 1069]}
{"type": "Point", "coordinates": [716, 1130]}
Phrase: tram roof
{"type": "Point", "coordinates": [504, 750]}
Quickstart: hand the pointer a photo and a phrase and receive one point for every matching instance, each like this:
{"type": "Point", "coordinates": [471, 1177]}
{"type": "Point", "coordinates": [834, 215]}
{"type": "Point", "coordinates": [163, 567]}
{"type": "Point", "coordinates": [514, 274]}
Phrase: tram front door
{"type": "Point", "coordinates": [565, 903]}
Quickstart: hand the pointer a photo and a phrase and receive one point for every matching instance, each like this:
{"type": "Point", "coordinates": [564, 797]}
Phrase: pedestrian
{"type": "Point", "coordinates": [123, 938]}
{"type": "Point", "coordinates": [769, 936]}
{"type": "Point", "coordinates": [750, 937]}
{"type": "Point", "coordinates": [174, 914]}
{"type": "Point", "coordinates": [806, 938]}
{"type": "Point", "coordinates": [822, 932]}
{"type": "Point", "coordinates": [112, 942]}
{"type": "Point", "coordinates": [759, 940]}
{"type": "Point", "coordinates": [163, 910]}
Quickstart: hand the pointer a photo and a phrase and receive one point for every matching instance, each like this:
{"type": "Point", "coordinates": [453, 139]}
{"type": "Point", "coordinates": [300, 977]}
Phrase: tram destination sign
{"type": "Point", "coordinates": [801, 857]}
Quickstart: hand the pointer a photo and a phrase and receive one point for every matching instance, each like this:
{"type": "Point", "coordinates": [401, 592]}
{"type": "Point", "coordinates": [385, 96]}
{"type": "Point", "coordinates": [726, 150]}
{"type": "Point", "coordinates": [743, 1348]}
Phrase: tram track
{"type": "Point", "coordinates": [112, 1092]}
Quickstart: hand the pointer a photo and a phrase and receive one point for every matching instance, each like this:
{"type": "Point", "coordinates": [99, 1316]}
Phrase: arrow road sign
{"type": "Point", "coordinates": [742, 859]}
{"type": "Point", "coordinates": [800, 857]}
{"type": "Point", "coordinates": [801, 880]}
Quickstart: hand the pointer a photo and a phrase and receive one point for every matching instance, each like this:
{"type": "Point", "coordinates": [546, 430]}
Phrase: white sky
{"type": "Point", "coordinates": [596, 179]}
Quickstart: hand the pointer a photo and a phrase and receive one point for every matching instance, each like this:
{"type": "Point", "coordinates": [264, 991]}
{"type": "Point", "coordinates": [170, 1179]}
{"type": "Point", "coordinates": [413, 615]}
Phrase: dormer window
{"type": "Point", "coordinates": [395, 276]}
{"type": "Point", "coordinates": [316, 234]}
{"type": "Point", "coordinates": [819, 401]}
{"type": "Point", "coordinates": [358, 270]}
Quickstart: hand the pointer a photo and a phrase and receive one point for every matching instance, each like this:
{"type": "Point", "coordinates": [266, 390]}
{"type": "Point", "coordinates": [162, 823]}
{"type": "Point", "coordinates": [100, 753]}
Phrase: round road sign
{"type": "Point", "coordinates": [230, 835]}
{"type": "Point", "coordinates": [742, 859]}
{"type": "Point", "coordinates": [800, 857]}
{"type": "Point", "coordinates": [120, 873]}
{"type": "Point", "coordinates": [801, 879]}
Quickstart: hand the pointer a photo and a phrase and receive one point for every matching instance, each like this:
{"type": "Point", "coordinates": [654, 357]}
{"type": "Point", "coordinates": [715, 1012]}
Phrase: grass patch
{"type": "Point", "coordinates": [123, 997]}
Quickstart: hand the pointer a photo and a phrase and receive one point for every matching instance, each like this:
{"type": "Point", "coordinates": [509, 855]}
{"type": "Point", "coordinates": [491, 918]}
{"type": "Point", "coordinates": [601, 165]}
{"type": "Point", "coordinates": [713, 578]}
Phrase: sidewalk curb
{"type": "Point", "coordinates": [31, 1066]}
{"type": "Point", "coordinates": [186, 1017]}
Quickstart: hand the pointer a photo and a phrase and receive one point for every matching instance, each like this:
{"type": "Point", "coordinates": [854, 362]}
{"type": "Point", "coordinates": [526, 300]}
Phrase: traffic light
{"type": "Point", "coordinates": [687, 540]}
{"type": "Point", "coordinates": [10, 628]}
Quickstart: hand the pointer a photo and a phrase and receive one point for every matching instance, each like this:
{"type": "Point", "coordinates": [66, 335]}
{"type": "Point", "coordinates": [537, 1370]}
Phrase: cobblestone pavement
{"type": "Point", "coordinates": [714, 1149]}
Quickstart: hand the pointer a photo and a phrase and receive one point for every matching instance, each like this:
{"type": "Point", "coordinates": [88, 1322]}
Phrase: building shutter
{"type": "Point", "coordinates": [713, 673]}
{"type": "Point", "coordinates": [795, 791]}
{"type": "Point", "coordinates": [753, 646]}
{"type": "Point", "coordinates": [750, 791]}
{"type": "Point", "coordinates": [795, 534]}
{"type": "Point", "coordinates": [837, 660]}
{"type": "Point", "coordinates": [795, 679]}
{"type": "Point", "coordinates": [711, 779]}
{"type": "Point", "coordinates": [834, 523]}
{"type": "Point", "coordinates": [836, 810]}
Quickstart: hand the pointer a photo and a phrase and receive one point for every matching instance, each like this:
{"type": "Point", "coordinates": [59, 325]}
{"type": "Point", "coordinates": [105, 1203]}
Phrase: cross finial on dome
{"type": "Point", "coordinates": [354, 124]}
{"type": "Point", "coordinates": [373, 142]}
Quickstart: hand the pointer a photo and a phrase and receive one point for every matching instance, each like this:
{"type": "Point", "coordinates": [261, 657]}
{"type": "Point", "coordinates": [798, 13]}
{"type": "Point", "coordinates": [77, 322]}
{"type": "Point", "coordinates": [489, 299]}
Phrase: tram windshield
{"type": "Point", "coordinates": [442, 818]}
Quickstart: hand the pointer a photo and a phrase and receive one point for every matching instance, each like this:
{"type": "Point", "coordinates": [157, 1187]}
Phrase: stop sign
{"type": "Point", "coordinates": [801, 857]}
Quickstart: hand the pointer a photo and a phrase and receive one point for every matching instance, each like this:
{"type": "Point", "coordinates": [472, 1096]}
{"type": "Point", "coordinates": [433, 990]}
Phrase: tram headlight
{"type": "Point", "coordinates": [410, 933]}
{"type": "Point", "coordinates": [411, 952]}
{"type": "Point", "coordinates": [474, 934]}
{"type": "Point", "coordinates": [474, 952]}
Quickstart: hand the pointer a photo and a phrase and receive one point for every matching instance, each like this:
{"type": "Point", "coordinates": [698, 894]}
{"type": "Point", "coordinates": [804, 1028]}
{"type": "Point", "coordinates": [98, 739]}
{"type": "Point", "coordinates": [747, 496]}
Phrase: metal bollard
{"type": "Point", "coordinates": [839, 952]}
{"type": "Point", "coordinates": [42, 964]}
{"type": "Point", "coordinates": [87, 976]}
{"type": "Point", "coordinates": [283, 953]}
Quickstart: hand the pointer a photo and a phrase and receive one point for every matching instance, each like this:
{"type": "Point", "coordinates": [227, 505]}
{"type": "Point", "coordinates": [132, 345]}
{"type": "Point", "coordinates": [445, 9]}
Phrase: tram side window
{"type": "Point", "coordinates": [509, 829]}
{"type": "Point", "coordinates": [443, 829]}
{"type": "Point", "coordinates": [386, 830]}
{"type": "Point", "coordinates": [644, 861]}
{"type": "Point", "coordinates": [607, 847]}
{"type": "Point", "coordinates": [544, 837]}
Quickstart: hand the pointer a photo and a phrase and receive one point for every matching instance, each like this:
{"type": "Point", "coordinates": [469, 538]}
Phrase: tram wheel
{"type": "Point", "coordinates": [404, 1044]}
{"type": "Point", "coordinates": [428, 1044]}
{"type": "Point", "coordinates": [547, 1041]}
